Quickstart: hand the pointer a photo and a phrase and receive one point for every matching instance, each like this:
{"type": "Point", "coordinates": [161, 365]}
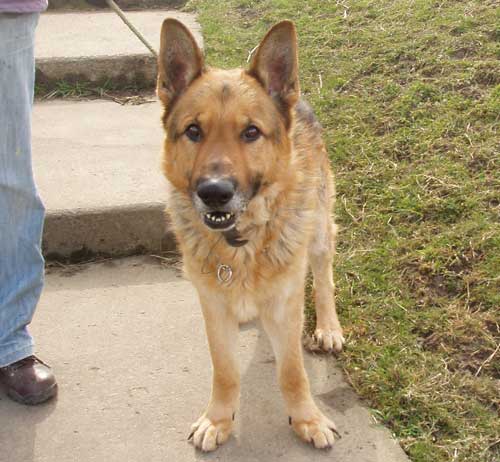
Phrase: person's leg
{"type": "Point", "coordinates": [21, 210]}
{"type": "Point", "coordinates": [25, 378]}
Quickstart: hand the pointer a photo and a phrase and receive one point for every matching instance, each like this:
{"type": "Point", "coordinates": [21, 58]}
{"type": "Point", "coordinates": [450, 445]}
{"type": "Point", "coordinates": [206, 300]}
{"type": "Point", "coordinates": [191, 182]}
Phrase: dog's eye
{"type": "Point", "coordinates": [193, 132]}
{"type": "Point", "coordinates": [250, 133]}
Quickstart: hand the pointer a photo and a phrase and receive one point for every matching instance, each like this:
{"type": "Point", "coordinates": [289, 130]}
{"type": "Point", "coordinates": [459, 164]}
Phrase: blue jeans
{"type": "Point", "coordinates": [21, 210]}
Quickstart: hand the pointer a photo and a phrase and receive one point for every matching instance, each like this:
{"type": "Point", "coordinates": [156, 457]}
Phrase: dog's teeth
{"type": "Point", "coordinates": [218, 217]}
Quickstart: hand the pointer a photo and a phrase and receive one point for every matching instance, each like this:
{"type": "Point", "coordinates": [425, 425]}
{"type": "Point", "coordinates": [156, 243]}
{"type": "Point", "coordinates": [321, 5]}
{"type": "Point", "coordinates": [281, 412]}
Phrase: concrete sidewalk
{"type": "Point", "coordinates": [98, 169]}
{"type": "Point", "coordinates": [96, 46]}
{"type": "Point", "coordinates": [103, 34]}
{"type": "Point", "coordinates": [127, 342]}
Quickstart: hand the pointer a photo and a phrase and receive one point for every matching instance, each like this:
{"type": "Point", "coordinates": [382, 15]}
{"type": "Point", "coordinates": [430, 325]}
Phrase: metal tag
{"type": "Point", "coordinates": [224, 274]}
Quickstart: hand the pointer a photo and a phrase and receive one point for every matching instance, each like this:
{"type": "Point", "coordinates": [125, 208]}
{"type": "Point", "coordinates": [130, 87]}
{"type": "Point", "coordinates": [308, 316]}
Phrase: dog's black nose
{"type": "Point", "coordinates": [215, 192]}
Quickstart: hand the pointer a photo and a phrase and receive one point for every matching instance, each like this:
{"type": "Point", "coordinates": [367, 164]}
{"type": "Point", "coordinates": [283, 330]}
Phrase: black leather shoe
{"type": "Point", "coordinates": [28, 381]}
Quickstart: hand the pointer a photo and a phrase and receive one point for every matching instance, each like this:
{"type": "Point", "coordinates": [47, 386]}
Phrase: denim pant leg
{"type": "Point", "coordinates": [21, 210]}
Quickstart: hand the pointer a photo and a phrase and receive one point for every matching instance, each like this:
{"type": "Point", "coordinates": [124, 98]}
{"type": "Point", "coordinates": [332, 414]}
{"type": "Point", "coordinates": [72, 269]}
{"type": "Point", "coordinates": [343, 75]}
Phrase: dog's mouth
{"type": "Point", "coordinates": [223, 219]}
{"type": "Point", "coordinates": [225, 222]}
{"type": "Point", "coordinates": [219, 220]}
{"type": "Point", "coordinates": [233, 237]}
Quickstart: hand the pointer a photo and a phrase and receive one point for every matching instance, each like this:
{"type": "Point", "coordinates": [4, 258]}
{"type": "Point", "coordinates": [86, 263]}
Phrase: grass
{"type": "Point", "coordinates": [85, 90]}
{"type": "Point", "coordinates": [408, 93]}
{"type": "Point", "coordinates": [65, 89]}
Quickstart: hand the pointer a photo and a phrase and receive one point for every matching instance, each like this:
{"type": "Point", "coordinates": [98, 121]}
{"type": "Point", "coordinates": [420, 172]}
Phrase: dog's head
{"type": "Point", "coordinates": [227, 131]}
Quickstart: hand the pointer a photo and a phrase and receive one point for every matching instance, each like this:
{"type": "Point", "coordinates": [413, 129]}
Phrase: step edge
{"type": "Point", "coordinates": [82, 234]}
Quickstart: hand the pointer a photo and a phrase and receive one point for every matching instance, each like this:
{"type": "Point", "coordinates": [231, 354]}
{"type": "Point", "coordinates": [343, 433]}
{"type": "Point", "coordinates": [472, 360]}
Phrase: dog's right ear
{"type": "Point", "coordinates": [180, 61]}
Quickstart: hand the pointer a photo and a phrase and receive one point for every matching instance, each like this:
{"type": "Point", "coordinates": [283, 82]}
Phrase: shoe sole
{"type": "Point", "coordinates": [33, 400]}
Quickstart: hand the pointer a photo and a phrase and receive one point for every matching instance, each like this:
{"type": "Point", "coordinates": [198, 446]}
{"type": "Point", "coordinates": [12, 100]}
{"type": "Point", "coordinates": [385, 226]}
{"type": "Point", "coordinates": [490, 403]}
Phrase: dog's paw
{"type": "Point", "coordinates": [329, 339]}
{"type": "Point", "coordinates": [319, 431]}
{"type": "Point", "coordinates": [207, 435]}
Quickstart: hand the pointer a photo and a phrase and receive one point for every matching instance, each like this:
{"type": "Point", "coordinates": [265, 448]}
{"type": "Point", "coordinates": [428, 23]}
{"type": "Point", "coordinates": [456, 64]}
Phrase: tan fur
{"type": "Point", "coordinates": [287, 223]}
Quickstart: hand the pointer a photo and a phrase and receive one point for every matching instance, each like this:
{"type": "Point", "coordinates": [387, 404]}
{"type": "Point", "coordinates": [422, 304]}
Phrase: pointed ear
{"type": "Point", "coordinates": [180, 61]}
{"type": "Point", "coordinates": [275, 64]}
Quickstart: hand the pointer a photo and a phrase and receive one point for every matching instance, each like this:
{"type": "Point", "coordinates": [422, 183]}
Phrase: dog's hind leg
{"type": "Point", "coordinates": [328, 333]}
{"type": "Point", "coordinates": [216, 423]}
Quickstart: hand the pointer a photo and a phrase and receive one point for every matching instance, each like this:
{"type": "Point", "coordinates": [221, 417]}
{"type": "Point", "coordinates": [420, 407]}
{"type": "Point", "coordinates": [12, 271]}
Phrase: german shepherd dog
{"type": "Point", "coordinates": [250, 203]}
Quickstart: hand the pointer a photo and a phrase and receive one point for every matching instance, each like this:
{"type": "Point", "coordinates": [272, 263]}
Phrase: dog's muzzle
{"type": "Point", "coordinates": [214, 196]}
{"type": "Point", "coordinates": [219, 203]}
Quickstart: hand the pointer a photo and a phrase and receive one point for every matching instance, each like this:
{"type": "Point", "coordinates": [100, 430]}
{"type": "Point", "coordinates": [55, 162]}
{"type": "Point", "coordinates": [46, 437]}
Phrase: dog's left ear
{"type": "Point", "coordinates": [180, 61]}
{"type": "Point", "coordinates": [275, 64]}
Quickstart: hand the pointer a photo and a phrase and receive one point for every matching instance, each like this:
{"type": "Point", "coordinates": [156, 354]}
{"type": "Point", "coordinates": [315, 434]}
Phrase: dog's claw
{"type": "Point", "coordinates": [289, 420]}
{"type": "Point", "coordinates": [234, 413]}
{"type": "Point", "coordinates": [190, 437]}
{"type": "Point", "coordinates": [334, 430]}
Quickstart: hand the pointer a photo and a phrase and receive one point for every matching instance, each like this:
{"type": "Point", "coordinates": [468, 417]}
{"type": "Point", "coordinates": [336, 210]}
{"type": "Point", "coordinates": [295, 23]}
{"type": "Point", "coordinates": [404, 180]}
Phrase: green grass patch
{"type": "Point", "coordinates": [409, 96]}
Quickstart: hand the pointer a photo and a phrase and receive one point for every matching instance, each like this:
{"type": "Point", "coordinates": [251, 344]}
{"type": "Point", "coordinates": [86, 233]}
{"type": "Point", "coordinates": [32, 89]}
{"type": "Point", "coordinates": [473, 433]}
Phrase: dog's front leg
{"type": "Point", "coordinates": [216, 423]}
{"type": "Point", "coordinates": [283, 323]}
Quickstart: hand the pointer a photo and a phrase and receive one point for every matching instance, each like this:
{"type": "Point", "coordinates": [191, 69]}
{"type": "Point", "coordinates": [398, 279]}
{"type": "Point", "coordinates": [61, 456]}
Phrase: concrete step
{"type": "Point", "coordinates": [127, 343]}
{"type": "Point", "coordinates": [98, 168]}
{"type": "Point", "coordinates": [71, 5]}
{"type": "Point", "coordinates": [98, 47]}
